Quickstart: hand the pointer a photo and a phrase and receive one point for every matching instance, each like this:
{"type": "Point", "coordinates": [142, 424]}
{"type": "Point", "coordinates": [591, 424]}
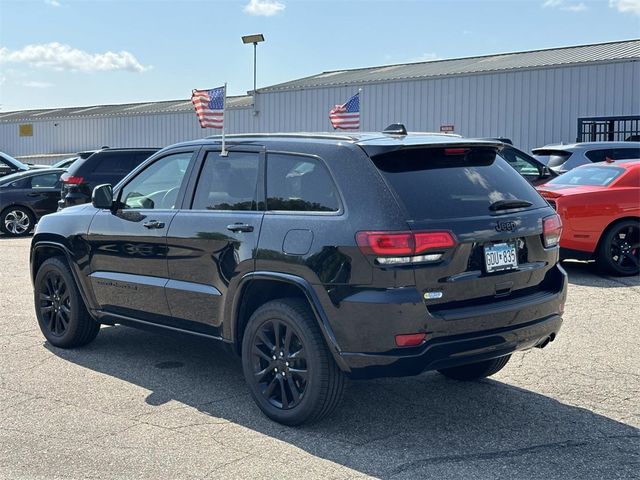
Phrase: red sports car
{"type": "Point", "coordinates": [600, 209]}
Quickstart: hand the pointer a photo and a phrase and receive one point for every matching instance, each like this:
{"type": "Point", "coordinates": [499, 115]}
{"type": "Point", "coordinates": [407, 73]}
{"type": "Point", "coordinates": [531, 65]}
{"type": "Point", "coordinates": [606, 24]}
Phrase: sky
{"type": "Point", "coordinates": [58, 53]}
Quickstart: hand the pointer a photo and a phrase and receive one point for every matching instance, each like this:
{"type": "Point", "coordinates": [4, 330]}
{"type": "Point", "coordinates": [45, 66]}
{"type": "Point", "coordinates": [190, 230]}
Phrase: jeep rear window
{"type": "Point", "coordinates": [552, 158]}
{"type": "Point", "coordinates": [436, 183]}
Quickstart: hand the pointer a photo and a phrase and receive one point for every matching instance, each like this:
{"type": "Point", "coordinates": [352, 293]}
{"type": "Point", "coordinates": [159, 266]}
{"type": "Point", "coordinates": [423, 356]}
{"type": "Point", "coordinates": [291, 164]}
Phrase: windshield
{"type": "Point", "coordinates": [552, 158]}
{"type": "Point", "coordinates": [16, 163]}
{"type": "Point", "coordinates": [66, 161]}
{"type": "Point", "coordinates": [437, 183]}
{"type": "Point", "coordinates": [7, 179]}
{"type": "Point", "coordinates": [594, 176]}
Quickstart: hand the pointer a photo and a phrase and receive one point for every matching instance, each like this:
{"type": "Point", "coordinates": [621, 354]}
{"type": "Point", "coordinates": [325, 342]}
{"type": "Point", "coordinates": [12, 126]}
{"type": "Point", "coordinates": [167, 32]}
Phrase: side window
{"type": "Point", "coordinates": [521, 164]}
{"type": "Point", "coordinates": [228, 183]}
{"type": "Point", "coordinates": [600, 155]}
{"type": "Point", "coordinates": [45, 181]}
{"type": "Point", "coordinates": [626, 153]}
{"type": "Point", "coordinates": [299, 184]}
{"type": "Point", "coordinates": [157, 186]}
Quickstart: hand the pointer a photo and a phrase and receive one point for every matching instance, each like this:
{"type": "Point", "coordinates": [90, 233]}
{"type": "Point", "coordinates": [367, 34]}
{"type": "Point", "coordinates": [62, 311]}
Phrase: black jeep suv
{"type": "Point", "coordinates": [314, 257]}
{"type": "Point", "coordinates": [108, 165]}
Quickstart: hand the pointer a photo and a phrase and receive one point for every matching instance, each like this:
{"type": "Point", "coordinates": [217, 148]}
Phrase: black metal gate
{"type": "Point", "coordinates": [608, 129]}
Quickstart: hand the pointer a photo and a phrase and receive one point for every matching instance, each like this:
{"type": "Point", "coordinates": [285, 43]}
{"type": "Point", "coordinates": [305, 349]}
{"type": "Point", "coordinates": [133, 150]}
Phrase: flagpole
{"type": "Point", "coordinates": [224, 152]}
{"type": "Point", "coordinates": [361, 104]}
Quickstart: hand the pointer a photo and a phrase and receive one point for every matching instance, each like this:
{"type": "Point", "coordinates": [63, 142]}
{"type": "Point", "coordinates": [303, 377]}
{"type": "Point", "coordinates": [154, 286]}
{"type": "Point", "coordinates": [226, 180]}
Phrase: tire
{"type": "Point", "coordinates": [16, 221]}
{"type": "Point", "coordinates": [311, 370]}
{"type": "Point", "coordinates": [619, 249]}
{"type": "Point", "coordinates": [62, 315]}
{"type": "Point", "coordinates": [475, 371]}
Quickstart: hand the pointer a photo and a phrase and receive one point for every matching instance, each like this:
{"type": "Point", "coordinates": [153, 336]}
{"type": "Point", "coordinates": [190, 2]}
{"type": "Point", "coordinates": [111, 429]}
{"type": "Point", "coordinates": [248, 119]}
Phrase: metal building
{"type": "Point", "coordinates": [533, 97]}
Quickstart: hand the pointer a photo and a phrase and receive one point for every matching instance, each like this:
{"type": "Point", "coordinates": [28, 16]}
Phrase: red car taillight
{"type": "Point", "coordinates": [71, 179]}
{"type": "Point", "coordinates": [551, 230]}
{"type": "Point", "coordinates": [404, 247]}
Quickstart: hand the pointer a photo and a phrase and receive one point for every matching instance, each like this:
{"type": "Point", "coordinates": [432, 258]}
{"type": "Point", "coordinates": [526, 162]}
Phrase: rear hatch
{"type": "Point", "coordinates": [73, 189]}
{"type": "Point", "coordinates": [554, 159]}
{"type": "Point", "coordinates": [493, 216]}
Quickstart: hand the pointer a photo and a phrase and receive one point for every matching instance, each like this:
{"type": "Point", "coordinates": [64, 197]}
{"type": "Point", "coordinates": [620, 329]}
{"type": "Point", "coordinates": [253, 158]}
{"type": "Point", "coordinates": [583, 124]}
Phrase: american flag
{"type": "Point", "coordinates": [347, 116]}
{"type": "Point", "coordinates": [209, 106]}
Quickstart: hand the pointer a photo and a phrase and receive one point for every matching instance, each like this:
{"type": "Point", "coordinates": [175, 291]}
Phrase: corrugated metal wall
{"type": "Point", "coordinates": [76, 134]}
{"type": "Point", "coordinates": [532, 107]}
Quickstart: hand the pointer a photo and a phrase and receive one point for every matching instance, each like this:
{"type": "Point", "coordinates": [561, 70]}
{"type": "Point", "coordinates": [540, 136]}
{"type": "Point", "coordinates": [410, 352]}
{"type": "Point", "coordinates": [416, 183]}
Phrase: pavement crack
{"type": "Point", "coordinates": [503, 453]}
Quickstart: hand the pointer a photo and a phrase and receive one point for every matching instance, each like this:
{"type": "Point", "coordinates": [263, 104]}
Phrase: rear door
{"type": "Point", "coordinates": [498, 251]}
{"type": "Point", "coordinates": [44, 193]}
{"type": "Point", "coordinates": [128, 246]}
{"type": "Point", "coordinates": [212, 239]}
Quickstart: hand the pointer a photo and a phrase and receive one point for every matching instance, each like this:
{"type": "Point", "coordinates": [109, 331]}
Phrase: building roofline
{"type": "Point", "coordinates": [518, 52]}
{"type": "Point", "coordinates": [297, 84]}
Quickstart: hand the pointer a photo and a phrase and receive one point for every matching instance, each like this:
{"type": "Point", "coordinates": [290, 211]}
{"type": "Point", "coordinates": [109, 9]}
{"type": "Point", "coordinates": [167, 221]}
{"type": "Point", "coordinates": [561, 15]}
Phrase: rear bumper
{"type": "Point", "coordinates": [464, 335]}
{"type": "Point", "coordinates": [453, 351]}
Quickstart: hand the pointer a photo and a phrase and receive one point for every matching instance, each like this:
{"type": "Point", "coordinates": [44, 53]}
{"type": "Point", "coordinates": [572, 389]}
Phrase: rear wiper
{"type": "Point", "coordinates": [506, 204]}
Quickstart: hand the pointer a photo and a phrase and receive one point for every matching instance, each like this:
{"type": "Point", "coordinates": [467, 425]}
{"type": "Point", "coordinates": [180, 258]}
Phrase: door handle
{"type": "Point", "coordinates": [153, 224]}
{"type": "Point", "coordinates": [240, 227]}
{"type": "Point", "coordinates": [34, 194]}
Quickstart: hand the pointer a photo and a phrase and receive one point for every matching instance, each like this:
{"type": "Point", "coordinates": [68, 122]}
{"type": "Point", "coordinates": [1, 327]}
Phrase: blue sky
{"type": "Point", "coordinates": [56, 53]}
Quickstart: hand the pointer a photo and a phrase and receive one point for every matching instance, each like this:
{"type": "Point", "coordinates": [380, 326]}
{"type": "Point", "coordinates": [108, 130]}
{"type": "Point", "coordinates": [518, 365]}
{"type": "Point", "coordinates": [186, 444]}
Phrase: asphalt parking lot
{"type": "Point", "coordinates": [141, 405]}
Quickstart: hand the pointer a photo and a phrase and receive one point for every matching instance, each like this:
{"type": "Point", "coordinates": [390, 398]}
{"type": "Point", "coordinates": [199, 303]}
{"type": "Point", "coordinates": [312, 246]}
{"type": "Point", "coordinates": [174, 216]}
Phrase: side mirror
{"type": "Point", "coordinates": [102, 196]}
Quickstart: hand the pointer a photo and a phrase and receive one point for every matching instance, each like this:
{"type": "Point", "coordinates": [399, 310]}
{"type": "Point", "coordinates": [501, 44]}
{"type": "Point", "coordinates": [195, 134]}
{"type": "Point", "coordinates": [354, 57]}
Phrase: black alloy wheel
{"type": "Point", "coordinates": [279, 364]}
{"type": "Point", "coordinates": [287, 365]}
{"type": "Point", "coordinates": [62, 315]}
{"type": "Point", "coordinates": [619, 252]}
{"type": "Point", "coordinates": [55, 303]}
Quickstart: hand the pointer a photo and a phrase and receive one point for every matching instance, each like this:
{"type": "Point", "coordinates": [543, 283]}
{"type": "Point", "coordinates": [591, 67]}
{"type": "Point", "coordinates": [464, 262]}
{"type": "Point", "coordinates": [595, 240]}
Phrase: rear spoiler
{"type": "Point", "coordinates": [376, 148]}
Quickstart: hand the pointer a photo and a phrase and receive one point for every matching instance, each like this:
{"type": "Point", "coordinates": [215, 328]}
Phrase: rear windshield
{"type": "Point", "coordinates": [596, 176]}
{"type": "Point", "coordinates": [552, 158]}
{"type": "Point", "coordinates": [437, 183]}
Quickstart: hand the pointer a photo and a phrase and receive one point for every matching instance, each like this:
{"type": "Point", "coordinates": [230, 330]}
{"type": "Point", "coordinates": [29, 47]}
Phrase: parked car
{"type": "Point", "coordinates": [600, 210]}
{"type": "Point", "coordinates": [27, 196]}
{"type": "Point", "coordinates": [533, 170]}
{"type": "Point", "coordinates": [313, 257]}
{"type": "Point", "coordinates": [9, 165]}
{"type": "Point", "coordinates": [562, 158]}
{"type": "Point", "coordinates": [108, 165]}
{"type": "Point", "coordinates": [67, 162]}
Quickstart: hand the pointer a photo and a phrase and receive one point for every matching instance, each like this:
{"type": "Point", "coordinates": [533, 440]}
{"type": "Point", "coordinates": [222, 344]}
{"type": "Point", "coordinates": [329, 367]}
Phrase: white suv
{"type": "Point", "coordinates": [562, 158]}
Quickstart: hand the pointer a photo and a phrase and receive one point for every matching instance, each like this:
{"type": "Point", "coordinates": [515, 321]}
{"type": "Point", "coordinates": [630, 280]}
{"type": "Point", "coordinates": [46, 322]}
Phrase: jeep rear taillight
{"type": "Point", "coordinates": [397, 248]}
{"type": "Point", "coordinates": [551, 230]}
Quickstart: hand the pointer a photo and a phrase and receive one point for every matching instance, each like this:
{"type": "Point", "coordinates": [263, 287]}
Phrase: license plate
{"type": "Point", "coordinates": [500, 256]}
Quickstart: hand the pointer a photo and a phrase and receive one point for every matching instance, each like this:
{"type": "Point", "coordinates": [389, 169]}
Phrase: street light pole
{"type": "Point", "coordinates": [255, 39]}
{"type": "Point", "coordinates": [255, 49]}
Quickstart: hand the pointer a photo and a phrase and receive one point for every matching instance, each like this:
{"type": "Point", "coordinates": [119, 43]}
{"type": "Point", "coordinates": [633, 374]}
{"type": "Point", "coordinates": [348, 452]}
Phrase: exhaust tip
{"type": "Point", "coordinates": [546, 341]}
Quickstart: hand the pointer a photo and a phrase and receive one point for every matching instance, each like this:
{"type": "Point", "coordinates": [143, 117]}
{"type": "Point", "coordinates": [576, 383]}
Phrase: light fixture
{"type": "Point", "coordinates": [255, 39]}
